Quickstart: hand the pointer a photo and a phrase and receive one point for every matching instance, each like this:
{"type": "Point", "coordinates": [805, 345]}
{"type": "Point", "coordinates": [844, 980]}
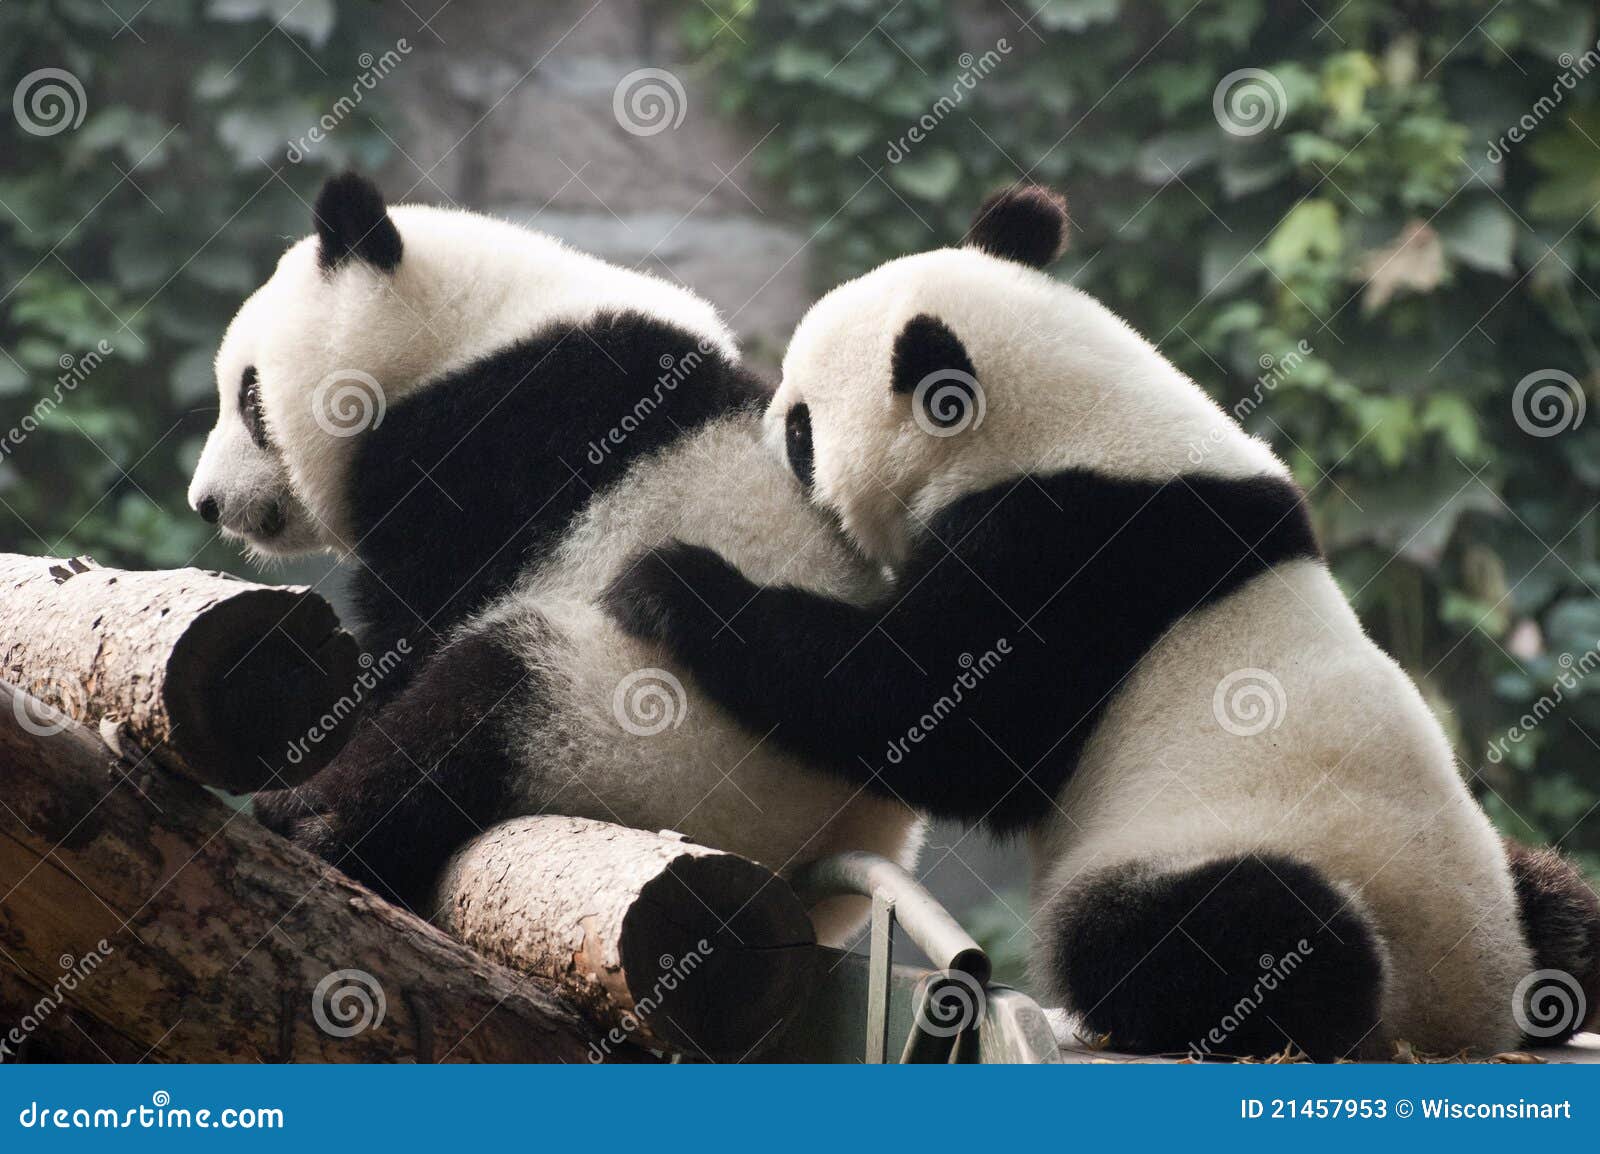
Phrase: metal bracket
{"type": "Point", "coordinates": [949, 1006]}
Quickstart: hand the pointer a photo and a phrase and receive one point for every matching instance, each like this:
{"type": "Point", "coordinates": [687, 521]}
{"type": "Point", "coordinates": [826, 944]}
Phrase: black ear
{"type": "Point", "coordinates": [924, 347]}
{"type": "Point", "coordinates": [353, 221]}
{"type": "Point", "coordinates": [1026, 223]}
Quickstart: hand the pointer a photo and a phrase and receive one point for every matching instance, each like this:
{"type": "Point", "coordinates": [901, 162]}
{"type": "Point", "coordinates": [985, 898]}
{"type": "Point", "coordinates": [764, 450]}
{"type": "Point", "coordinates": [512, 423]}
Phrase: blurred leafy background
{"type": "Point", "coordinates": [1425, 279]}
{"type": "Point", "coordinates": [1375, 272]}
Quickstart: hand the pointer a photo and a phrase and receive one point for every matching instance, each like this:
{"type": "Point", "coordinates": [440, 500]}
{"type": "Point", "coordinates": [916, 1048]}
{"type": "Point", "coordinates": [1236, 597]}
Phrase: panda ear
{"type": "Point", "coordinates": [925, 350]}
{"type": "Point", "coordinates": [353, 222]}
{"type": "Point", "coordinates": [1026, 223]}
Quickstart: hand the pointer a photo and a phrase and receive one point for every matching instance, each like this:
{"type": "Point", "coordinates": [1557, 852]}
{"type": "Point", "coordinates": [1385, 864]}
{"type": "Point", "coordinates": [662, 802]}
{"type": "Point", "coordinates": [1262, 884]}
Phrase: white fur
{"type": "Point", "coordinates": [1065, 383]}
{"type": "Point", "coordinates": [1353, 775]}
{"type": "Point", "coordinates": [1358, 779]}
{"type": "Point", "coordinates": [467, 286]}
{"type": "Point", "coordinates": [720, 489]}
{"type": "Point", "coordinates": [245, 481]}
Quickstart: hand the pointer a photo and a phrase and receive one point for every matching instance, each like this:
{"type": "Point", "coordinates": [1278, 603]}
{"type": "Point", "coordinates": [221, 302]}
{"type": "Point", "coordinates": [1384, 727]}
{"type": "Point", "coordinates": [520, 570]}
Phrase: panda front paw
{"type": "Point", "coordinates": [676, 594]}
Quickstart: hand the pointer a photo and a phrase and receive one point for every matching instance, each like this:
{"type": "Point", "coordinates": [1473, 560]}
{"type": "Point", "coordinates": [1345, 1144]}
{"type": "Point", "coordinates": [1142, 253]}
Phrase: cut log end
{"type": "Point", "coordinates": [263, 708]}
{"type": "Point", "coordinates": [717, 955]}
{"type": "Point", "coordinates": [663, 943]}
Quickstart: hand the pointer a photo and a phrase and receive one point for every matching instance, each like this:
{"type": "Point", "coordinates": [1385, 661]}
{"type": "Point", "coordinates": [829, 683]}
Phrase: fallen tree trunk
{"type": "Point", "coordinates": [230, 683]}
{"type": "Point", "coordinates": [197, 934]}
{"type": "Point", "coordinates": [668, 944]}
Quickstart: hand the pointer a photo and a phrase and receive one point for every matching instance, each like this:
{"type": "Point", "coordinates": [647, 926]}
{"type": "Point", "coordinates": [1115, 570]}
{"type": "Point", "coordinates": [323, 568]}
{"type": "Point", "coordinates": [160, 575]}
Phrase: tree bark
{"type": "Point", "coordinates": [216, 940]}
{"type": "Point", "coordinates": [665, 943]}
{"type": "Point", "coordinates": [230, 683]}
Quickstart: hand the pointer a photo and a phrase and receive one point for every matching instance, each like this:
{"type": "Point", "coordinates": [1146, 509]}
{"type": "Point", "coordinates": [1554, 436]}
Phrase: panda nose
{"type": "Point", "coordinates": [209, 510]}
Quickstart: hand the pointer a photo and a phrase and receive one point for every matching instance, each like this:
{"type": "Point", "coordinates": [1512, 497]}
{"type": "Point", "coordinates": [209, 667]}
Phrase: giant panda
{"type": "Point", "coordinates": [1248, 829]}
{"type": "Point", "coordinates": [523, 419]}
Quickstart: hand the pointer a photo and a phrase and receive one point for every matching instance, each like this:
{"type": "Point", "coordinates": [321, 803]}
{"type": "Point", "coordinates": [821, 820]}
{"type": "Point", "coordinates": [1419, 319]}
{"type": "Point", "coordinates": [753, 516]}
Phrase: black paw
{"type": "Point", "coordinates": [676, 593]}
{"type": "Point", "coordinates": [281, 810]}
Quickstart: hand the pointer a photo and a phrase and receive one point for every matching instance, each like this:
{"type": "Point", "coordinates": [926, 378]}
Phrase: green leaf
{"type": "Point", "coordinates": [1480, 232]}
{"type": "Point", "coordinates": [1075, 15]}
{"type": "Point", "coordinates": [1310, 229]}
{"type": "Point", "coordinates": [930, 175]}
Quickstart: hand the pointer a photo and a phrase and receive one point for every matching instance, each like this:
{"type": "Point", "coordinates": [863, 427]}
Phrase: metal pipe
{"type": "Point", "coordinates": [926, 922]}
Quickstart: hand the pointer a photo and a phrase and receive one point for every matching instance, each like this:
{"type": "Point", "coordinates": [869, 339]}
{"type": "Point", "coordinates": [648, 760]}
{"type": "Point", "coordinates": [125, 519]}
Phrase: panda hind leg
{"type": "Point", "coordinates": [1238, 956]}
{"type": "Point", "coordinates": [1560, 916]}
{"type": "Point", "coordinates": [422, 775]}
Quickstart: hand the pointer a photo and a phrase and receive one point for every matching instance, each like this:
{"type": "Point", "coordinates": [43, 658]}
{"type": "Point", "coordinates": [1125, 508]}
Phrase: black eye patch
{"type": "Point", "coordinates": [250, 409]}
{"type": "Point", "coordinates": [797, 439]}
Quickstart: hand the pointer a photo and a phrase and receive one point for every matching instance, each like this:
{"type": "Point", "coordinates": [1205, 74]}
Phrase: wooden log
{"type": "Point", "coordinates": [230, 683]}
{"type": "Point", "coordinates": [36, 1026]}
{"type": "Point", "coordinates": [665, 943]}
{"type": "Point", "coordinates": [223, 941]}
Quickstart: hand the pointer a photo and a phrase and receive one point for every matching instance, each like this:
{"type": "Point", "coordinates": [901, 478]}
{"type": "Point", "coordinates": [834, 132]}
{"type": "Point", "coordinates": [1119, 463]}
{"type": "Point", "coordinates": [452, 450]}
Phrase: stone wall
{"type": "Point", "coordinates": [516, 112]}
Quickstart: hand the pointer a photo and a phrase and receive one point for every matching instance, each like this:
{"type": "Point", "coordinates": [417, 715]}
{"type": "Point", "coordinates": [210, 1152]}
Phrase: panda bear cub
{"type": "Point", "coordinates": [1249, 831]}
{"type": "Point", "coordinates": [490, 424]}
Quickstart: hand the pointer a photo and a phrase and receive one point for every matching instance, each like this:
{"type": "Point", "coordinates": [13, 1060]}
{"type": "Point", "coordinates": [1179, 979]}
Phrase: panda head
{"type": "Point", "coordinates": [285, 335]}
{"type": "Point", "coordinates": [241, 483]}
{"type": "Point", "coordinates": [376, 303]}
{"type": "Point", "coordinates": [947, 372]}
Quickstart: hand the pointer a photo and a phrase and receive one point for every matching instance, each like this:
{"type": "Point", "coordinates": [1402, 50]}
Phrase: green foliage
{"type": "Point", "coordinates": [1424, 278]}
{"type": "Point", "coordinates": [144, 228]}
